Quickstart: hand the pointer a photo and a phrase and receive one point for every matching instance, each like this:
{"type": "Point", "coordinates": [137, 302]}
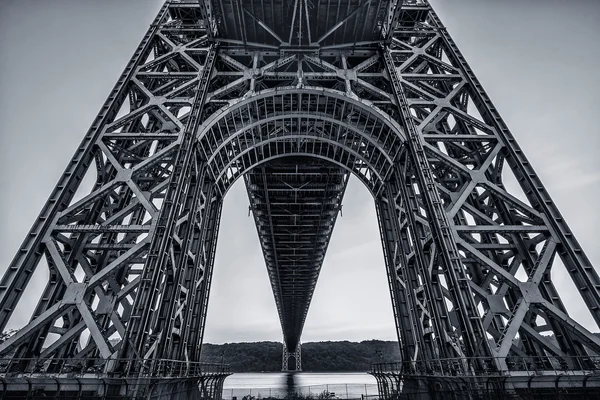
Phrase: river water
{"type": "Point", "coordinates": [279, 384]}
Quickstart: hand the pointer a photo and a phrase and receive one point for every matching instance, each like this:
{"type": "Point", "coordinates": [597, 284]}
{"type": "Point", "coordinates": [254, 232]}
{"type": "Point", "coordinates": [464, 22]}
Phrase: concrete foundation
{"type": "Point", "coordinates": [543, 387]}
{"type": "Point", "coordinates": [208, 387]}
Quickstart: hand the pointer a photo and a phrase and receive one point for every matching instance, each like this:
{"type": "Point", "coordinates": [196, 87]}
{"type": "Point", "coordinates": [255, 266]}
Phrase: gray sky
{"type": "Point", "coordinates": [538, 60]}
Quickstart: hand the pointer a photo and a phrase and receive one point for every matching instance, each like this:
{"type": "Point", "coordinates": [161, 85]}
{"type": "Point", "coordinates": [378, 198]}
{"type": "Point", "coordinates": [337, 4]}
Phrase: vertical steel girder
{"type": "Point", "coordinates": [130, 259]}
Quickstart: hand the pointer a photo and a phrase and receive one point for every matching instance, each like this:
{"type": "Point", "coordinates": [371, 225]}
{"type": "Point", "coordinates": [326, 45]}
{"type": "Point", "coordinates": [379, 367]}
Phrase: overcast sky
{"type": "Point", "coordinates": [538, 61]}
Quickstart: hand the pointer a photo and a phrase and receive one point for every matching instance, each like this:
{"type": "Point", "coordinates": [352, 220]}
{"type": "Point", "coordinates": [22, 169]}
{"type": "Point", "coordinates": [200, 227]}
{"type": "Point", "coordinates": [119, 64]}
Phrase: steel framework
{"type": "Point", "coordinates": [295, 96]}
{"type": "Point", "coordinates": [295, 356]}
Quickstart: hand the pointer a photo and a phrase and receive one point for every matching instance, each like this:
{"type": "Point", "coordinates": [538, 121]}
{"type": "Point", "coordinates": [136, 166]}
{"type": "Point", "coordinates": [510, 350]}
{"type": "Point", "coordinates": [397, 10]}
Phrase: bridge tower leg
{"type": "Point", "coordinates": [479, 274]}
{"type": "Point", "coordinates": [128, 257]}
{"type": "Point", "coordinates": [296, 354]}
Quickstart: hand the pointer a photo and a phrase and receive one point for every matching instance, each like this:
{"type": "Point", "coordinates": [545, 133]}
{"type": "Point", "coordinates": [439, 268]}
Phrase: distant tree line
{"type": "Point", "coordinates": [316, 356]}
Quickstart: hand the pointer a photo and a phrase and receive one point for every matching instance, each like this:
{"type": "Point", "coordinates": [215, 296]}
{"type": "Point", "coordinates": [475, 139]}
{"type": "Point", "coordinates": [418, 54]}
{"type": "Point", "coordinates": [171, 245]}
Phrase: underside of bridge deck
{"type": "Point", "coordinates": [316, 24]}
{"type": "Point", "coordinates": [295, 204]}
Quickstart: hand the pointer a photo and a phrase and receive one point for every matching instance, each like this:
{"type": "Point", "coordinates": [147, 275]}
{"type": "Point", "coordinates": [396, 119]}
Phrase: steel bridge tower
{"type": "Point", "coordinates": [294, 96]}
{"type": "Point", "coordinates": [292, 356]}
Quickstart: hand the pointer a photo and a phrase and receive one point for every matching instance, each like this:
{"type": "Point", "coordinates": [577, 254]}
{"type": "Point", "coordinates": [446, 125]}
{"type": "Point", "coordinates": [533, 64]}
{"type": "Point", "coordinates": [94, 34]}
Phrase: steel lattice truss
{"type": "Point", "coordinates": [377, 89]}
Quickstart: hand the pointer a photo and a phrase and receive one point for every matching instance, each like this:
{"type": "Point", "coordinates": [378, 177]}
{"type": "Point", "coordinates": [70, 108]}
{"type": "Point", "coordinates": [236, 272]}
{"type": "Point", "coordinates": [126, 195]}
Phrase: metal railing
{"type": "Point", "coordinates": [324, 391]}
{"type": "Point", "coordinates": [491, 366]}
{"type": "Point", "coordinates": [163, 368]}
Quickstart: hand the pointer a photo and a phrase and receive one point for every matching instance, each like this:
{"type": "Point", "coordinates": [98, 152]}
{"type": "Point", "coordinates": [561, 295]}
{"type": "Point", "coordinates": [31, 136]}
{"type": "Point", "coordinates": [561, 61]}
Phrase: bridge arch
{"type": "Point", "coordinates": [329, 125]}
{"type": "Point", "coordinates": [271, 126]}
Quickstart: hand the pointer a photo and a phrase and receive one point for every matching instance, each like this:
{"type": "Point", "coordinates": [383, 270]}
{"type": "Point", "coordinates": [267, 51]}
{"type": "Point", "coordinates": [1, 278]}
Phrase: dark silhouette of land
{"type": "Point", "coordinates": [316, 356]}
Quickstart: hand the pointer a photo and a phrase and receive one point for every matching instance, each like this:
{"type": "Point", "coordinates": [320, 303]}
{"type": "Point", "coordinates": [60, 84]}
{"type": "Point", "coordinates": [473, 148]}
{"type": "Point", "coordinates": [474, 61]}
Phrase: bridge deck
{"type": "Point", "coordinates": [295, 204]}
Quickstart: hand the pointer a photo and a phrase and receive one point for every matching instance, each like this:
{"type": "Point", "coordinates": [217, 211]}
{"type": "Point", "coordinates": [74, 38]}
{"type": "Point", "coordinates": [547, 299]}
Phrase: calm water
{"type": "Point", "coordinates": [279, 384]}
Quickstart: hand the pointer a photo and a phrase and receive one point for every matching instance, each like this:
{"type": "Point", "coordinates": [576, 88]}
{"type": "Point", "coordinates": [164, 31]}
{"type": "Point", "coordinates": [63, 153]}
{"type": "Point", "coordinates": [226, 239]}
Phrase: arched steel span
{"type": "Point", "coordinates": [268, 128]}
{"type": "Point", "coordinates": [352, 133]}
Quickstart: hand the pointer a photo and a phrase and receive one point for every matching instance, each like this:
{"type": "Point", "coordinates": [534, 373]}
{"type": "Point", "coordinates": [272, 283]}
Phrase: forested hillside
{"type": "Point", "coordinates": [316, 356]}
